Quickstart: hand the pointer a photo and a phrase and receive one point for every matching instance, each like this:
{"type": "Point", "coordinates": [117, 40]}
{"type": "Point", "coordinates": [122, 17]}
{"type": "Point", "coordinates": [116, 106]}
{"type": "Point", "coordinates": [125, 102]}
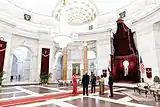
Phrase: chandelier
{"type": "Point", "coordinates": [63, 36]}
{"type": "Point", "coordinates": [63, 39]}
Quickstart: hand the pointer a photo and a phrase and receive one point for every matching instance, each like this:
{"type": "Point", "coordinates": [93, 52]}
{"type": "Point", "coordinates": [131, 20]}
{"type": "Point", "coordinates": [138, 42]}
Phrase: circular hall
{"type": "Point", "coordinates": [79, 53]}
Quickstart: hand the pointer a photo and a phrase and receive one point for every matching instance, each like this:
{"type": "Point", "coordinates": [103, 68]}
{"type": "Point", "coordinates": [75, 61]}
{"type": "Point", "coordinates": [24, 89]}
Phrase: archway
{"type": "Point", "coordinates": [21, 64]}
{"type": "Point", "coordinates": [91, 55]}
{"type": "Point", "coordinates": [58, 65]}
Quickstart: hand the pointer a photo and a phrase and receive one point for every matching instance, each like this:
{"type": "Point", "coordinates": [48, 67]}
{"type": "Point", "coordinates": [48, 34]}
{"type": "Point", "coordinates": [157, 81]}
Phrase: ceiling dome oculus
{"type": "Point", "coordinates": [79, 12]}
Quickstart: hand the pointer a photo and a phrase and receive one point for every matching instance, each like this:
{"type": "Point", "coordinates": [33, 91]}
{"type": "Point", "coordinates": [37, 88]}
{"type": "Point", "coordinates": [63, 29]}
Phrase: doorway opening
{"type": "Point", "coordinates": [58, 65]}
{"type": "Point", "coordinates": [21, 65]}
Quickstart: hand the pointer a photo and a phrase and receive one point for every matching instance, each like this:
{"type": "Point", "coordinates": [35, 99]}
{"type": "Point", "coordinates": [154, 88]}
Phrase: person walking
{"type": "Point", "coordinates": [85, 82]}
{"type": "Point", "coordinates": [74, 83]}
{"type": "Point", "coordinates": [110, 83]}
{"type": "Point", "coordinates": [93, 83]}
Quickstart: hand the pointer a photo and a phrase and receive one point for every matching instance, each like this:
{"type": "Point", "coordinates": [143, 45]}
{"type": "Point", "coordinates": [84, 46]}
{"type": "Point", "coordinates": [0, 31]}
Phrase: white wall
{"type": "Point", "coordinates": [37, 35]}
{"type": "Point", "coordinates": [16, 14]}
{"type": "Point", "coordinates": [33, 41]}
{"type": "Point", "coordinates": [44, 42]}
{"type": "Point", "coordinates": [156, 33]}
{"type": "Point", "coordinates": [103, 55]}
{"type": "Point", "coordinates": [147, 38]}
{"type": "Point", "coordinates": [31, 44]}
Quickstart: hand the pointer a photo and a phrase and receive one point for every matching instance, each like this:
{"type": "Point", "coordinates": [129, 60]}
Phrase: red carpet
{"type": "Point", "coordinates": [19, 101]}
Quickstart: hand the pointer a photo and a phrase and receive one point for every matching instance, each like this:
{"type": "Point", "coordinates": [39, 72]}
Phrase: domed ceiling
{"type": "Point", "coordinates": [79, 11]}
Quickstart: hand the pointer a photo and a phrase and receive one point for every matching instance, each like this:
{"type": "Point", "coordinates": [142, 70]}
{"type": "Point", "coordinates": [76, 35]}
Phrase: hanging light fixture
{"type": "Point", "coordinates": [64, 37]}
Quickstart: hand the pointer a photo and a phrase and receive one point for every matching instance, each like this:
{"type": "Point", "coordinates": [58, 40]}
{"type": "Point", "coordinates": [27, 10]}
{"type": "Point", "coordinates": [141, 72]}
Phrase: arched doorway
{"type": "Point", "coordinates": [21, 65]}
{"type": "Point", "coordinates": [91, 56]}
{"type": "Point", "coordinates": [58, 65]}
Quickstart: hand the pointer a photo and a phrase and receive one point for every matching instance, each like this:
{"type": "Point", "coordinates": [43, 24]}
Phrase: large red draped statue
{"type": "Point", "coordinates": [124, 60]}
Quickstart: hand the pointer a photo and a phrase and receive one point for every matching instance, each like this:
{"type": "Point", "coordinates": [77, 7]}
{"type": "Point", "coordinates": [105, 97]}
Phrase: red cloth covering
{"type": "Point", "coordinates": [45, 60]}
{"type": "Point", "coordinates": [124, 49]}
{"type": "Point", "coordinates": [2, 53]}
{"type": "Point", "coordinates": [131, 59]}
{"type": "Point", "coordinates": [149, 72]}
{"type": "Point", "coordinates": [75, 85]}
{"type": "Point", "coordinates": [118, 68]}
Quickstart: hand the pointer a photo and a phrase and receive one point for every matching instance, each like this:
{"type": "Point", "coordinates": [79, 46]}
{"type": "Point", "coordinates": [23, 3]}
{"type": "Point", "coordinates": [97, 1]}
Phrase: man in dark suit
{"type": "Point", "coordinates": [85, 82]}
{"type": "Point", "coordinates": [110, 83]}
{"type": "Point", "coordinates": [93, 83]}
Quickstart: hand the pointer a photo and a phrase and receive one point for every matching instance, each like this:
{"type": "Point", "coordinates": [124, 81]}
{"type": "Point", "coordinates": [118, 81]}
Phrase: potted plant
{"type": "Point", "coordinates": [1, 77]}
{"type": "Point", "coordinates": [44, 78]}
{"type": "Point", "coordinates": [156, 79]}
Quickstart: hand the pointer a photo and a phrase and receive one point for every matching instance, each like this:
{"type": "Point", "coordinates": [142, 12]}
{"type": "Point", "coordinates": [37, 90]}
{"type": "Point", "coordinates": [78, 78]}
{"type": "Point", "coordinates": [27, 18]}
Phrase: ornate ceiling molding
{"type": "Point", "coordinates": [79, 12]}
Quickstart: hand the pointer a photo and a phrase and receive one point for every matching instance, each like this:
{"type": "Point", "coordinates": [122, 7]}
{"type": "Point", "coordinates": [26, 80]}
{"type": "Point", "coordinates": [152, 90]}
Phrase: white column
{"type": "Point", "coordinates": [103, 55]}
{"type": "Point", "coordinates": [147, 49]}
{"type": "Point", "coordinates": [33, 69]}
{"type": "Point", "coordinates": [51, 61]}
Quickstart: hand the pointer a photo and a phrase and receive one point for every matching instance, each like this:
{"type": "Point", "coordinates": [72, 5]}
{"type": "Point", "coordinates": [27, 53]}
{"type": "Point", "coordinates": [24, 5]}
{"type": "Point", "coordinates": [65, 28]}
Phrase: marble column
{"type": "Point", "coordinates": [33, 68]}
{"type": "Point", "coordinates": [64, 64]}
{"type": "Point", "coordinates": [85, 59]}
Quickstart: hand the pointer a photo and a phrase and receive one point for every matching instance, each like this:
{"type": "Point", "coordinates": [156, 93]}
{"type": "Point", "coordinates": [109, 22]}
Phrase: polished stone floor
{"type": "Point", "coordinates": [39, 90]}
{"type": "Point", "coordinates": [92, 102]}
{"type": "Point", "coordinates": [48, 96]}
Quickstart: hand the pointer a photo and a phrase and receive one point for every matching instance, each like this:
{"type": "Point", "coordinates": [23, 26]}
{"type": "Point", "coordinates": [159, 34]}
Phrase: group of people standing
{"type": "Point", "coordinates": [86, 79]}
{"type": "Point", "coordinates": [85, 82]}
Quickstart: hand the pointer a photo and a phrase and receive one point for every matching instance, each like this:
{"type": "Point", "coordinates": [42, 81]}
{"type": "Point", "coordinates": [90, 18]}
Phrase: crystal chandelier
{"type": "Point", "coordinates": [64, 37]}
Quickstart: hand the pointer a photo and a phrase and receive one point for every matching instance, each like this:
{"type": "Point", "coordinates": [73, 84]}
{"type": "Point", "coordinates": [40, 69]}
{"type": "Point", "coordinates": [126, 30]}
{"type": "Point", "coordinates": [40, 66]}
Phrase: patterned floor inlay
{"type": "Point", "coordinates": [67, 88]}
{"type": "Point", "coordinates": [5, 90]}
{"type": "Point", "coordinates": [48, 105]}
{"type": "Point", "coordinates": [141, 98]}
{"type": "Point", "coordinates": [90, 102]}
{"type": "Point", "coordinates": [54, 96]}
{"type": "Point", "coordinates": [52, 86]}
{"type": "Point", "coordinates": [40, 90]}
{"type": "Point", "coordinates": [116, 96]}
{"type": "Point", "coordinates": [150, 103]}
{"type": "Point", "coordinates": [13, 95]}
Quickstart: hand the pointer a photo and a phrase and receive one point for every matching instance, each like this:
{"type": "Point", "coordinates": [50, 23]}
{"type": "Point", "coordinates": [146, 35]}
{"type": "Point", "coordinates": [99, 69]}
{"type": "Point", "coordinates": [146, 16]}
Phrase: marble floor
{"type": "Point", "coordinates": [54, 96]}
